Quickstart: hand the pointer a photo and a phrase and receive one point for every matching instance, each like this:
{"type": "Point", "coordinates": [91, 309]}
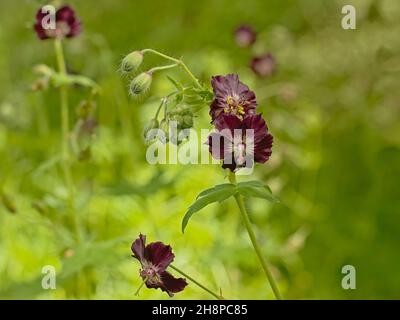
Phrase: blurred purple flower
{"type": "Point", "coordinates": [67, 25]}
{"type": "Point", "coordinates": [155, 259]}
{"type": "Point", "coordinates": [264, 65]}
{"type": "Point", "coordinates": [240, 143]}
{"type": "Point", "coordinates": [231, 96]}
{"type": "Point", "coordinates": [245, 36]}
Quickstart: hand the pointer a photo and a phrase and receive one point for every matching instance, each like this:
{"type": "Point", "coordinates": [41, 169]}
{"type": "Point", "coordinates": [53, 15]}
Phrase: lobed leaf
{"type": "Point", "coordinates": [218, 193]}
{"type": "Point", "coordinates": [256, 189]}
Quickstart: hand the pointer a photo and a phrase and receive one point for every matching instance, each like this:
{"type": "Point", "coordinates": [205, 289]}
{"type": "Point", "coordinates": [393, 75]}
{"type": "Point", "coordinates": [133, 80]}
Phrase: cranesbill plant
{"type": "Point", "coordinates": [57, 27]}
{"type": "Point", "coordinates": [241, 137]}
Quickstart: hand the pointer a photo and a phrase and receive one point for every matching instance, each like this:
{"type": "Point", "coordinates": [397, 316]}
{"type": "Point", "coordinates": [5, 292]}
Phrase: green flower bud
{"type": "Point", "coordinates": [179, 119]}
{"type": "Point", "coordinates": [132, 61]}
{"type": "Point", "coordinates": [187, 121]}
{"type": "Point", "coordinates": [141, 83]}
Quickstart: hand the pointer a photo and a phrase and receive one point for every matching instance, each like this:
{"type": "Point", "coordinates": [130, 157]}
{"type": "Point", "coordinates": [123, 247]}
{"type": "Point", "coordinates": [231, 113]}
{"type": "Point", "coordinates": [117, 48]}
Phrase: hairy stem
{"type": "Point", "coordinates": [250, 231]}
{"type": "Point", "coordinates": [66, 157]}
{"type": "Point", "coordinates": [178, 62]}
{"type": "Point", "coordinates": [219, 297]}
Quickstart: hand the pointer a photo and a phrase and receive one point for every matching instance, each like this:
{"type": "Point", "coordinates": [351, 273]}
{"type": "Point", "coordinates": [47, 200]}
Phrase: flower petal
{"type": "Point", "coordinates": [263, 149]}
{"type": "Point", "coordinates": [220, 145]}
{"type": "Point", "coordinates": [170, 284]}
{"type": "Point", "coordinates": [38, 25]}
{"type": "Point", "coordinates": [262, 143]}
{"type": "Point", "coordinates": [138, 248]}
{"type": "Point", "coordinates": [159, 254]}
{"type": "Point", "coordinates": [228, 121]}
{"type": "Point", "coordinates": [65, 13]}
{"type": "Point", "coordinates": [263, 66]}
{"type": "Point", "coordinates": [257, 123]}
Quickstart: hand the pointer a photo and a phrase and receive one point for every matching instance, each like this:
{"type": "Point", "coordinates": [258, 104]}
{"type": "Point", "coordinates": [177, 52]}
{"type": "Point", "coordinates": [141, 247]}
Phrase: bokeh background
{"type": "Point", "coordinates": [333, 107]}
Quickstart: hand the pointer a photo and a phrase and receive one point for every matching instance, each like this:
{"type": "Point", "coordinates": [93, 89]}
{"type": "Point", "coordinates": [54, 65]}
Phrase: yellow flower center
{"type": "Point", "coordinates": [233, 107]}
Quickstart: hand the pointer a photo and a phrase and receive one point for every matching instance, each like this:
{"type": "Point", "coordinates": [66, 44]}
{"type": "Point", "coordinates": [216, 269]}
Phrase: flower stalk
{"type": "Point", "coordinates": [178, 62]}
{"type": "Point", "coordinates": [217, 296]}
{"type": "Point", "coordinates": [66, 156]}
{"type": "Point", "coordinates": [250, 231]}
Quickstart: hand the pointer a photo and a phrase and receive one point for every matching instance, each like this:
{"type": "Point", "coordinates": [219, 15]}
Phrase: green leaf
{"type": "Point", "coordinates": [218, 193]}
{"type": "Point", "coordinates": [256, 189]}
{"type": "Point", "coordinates": [219, 186]}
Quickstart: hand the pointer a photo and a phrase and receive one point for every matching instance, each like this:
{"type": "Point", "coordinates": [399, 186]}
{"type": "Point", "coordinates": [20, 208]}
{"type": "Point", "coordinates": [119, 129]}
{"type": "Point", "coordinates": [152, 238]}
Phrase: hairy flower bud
{"type": "Point", "coordinates": [141, 83]}
{"type": "Point", "coordinates": [132, 61]}
{"type": "Point", "coordinates": [187, 121]}
{"type": "Point", "coordinates": [183, 115]}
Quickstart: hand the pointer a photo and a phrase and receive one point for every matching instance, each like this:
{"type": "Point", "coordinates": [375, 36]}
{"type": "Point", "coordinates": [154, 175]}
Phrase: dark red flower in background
{"type": "Point", "coordinates": [240, 143]}
{"type": "Point", "coordinates": [67, 25]}
{"type": "Point", "coordinates": [231, 96]}
{"type": "Point", "coordinates": [155, 259]}
{"type": "Point", "coordinates": [264, 65]}
{"type": "Point", "coordinates": [245, 36]}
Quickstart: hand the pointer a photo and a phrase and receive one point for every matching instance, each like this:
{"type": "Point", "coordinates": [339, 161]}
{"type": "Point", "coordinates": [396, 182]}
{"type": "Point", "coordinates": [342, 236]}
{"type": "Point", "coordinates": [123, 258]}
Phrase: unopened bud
{"type": "Point", "coordinates": [187, 121]}
{"type": "Point", "coordinates": [132, 61]}
{"type": "Point", "coordinates": [141, 83]}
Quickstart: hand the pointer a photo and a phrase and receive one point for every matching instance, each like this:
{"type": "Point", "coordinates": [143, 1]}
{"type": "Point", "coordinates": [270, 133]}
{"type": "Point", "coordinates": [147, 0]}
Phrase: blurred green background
{"type": "Point", "coordinates": [333, 107]}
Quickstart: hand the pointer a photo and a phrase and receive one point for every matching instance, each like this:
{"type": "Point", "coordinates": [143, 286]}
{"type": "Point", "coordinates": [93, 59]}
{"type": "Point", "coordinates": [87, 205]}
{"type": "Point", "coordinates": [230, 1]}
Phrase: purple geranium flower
{"type": "Point", "coordinates": [67, 25]}
{"type": "Point", "coordinates": [264, 65]}
{"type": "Point", "coordinates": [231, 96]}
{"type": "Point", "coordinates": [245, 36]}
{"type": "Point", "coordinates": [155, 259]}
{"type": "Point", "coordinates": [240, 143]}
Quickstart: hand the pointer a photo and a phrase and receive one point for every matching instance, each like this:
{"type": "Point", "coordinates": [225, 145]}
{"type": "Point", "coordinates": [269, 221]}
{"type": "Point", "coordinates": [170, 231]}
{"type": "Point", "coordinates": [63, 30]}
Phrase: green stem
{"type": "Point", "coordinates": [164, 101]}
{"type": "Point", "coordinates": [65, 135]}
{"type": "Point", "coordinates": [250, 231]}
{"type": "Point", "coordinates": [178, 62]}
{"type": "Point", "coordinates": [159, 108]}
{"type": "Point", "coordinates": [219, 297]}
{"type": "Point", "coordinates": [170, 66]}
{"type": "Point", "coordinates": [140, 287]}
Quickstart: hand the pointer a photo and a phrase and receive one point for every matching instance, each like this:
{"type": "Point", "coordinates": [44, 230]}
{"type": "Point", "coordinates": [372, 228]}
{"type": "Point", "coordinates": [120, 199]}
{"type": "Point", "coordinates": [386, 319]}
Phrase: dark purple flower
{"type": "Point", "coordinates": [264, 65]}
{"type": "Point", "coordinates": [240, 143]}
{"type": "Point", "coordinates": [245, 36]}
{"type": "Point", "coordinates": [155, 259]}
{"type": "Point", "coordinates": [231, 96]}
{"type": "Point", "coordinates": [67, 25]}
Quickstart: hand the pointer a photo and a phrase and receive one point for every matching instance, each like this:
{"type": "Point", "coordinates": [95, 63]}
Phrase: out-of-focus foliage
{"type": "Point", "coordinates": [333, 107]}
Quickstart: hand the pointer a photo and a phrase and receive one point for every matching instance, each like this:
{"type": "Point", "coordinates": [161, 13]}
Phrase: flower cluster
{"type": "Point", "coordinates": [263, 65]}
{"type": "Point", "coordinates": [155, 259]}
{"type": "Point", "coordinates": [241, 136]}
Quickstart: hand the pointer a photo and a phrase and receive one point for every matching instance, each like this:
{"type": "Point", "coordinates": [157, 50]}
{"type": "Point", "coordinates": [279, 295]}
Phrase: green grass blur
{"type": "Point", "coordinates": [333, 107]}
